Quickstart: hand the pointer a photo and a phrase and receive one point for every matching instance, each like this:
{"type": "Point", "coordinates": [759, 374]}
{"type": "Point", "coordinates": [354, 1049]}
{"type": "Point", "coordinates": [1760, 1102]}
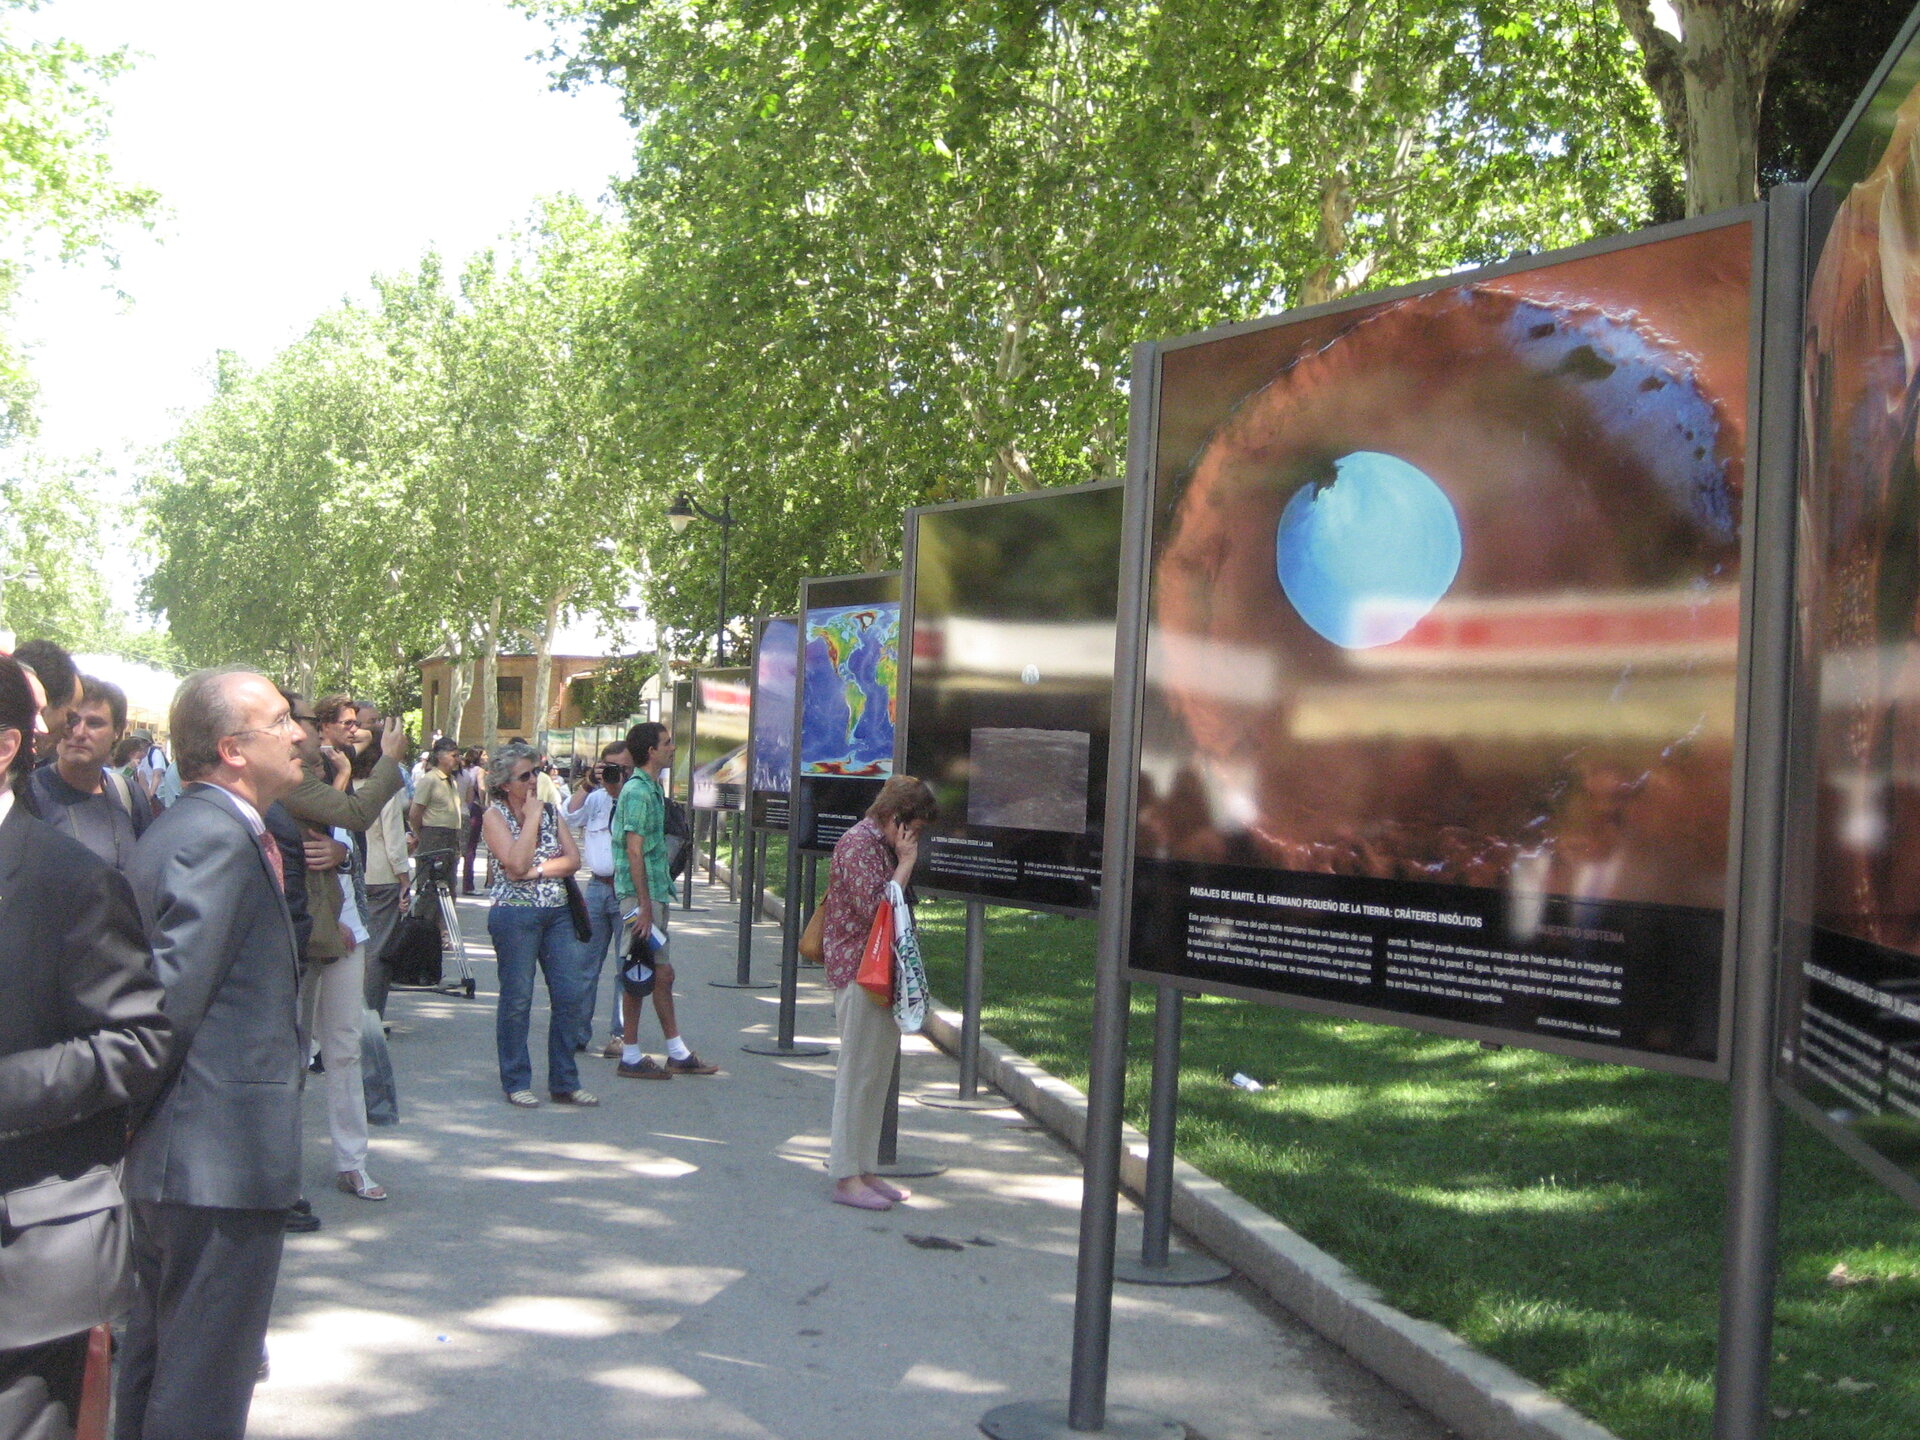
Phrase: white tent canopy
{"type": "Point", "coordinates": [149, 688]}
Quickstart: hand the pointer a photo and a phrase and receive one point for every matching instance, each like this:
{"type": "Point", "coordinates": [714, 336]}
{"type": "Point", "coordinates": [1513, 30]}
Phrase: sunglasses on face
{"type": "Point", "coordinates": [524, 775]}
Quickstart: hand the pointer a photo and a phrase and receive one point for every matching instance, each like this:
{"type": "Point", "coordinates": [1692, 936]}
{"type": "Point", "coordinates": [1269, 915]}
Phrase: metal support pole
{"type": "Point", "coordinates": [1086, 1408]}
{"type": "Point", "coordinates": [975, 984]}
{"type": "Point", "coordinates": [969, 1096]}
{"type": "Point", "coordinates": [1748, 1262]}
{"type": "Point", "coordinates": [748, 887]}
{"type": "Point", "coordinates": [1157, 1265]}
{"type": "Point", "coordinates": [893, 1165]}
{"type": "Point", "coordinates": [784, 1043]}
{"type": "Point", "coordinates": [762, 847]}
{"type": "Point", "coordinates": [809, 884]}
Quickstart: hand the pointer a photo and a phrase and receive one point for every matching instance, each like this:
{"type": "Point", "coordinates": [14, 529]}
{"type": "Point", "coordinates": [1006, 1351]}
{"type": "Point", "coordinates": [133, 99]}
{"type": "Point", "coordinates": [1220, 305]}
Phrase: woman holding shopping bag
{"type": "Point", "coordinates": [882, 848]}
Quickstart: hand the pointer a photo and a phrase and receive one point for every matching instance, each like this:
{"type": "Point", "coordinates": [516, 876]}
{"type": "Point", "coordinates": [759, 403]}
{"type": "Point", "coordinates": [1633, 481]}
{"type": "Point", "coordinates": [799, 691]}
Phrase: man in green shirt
{"type": "Point", "coordinates": [640, 848]}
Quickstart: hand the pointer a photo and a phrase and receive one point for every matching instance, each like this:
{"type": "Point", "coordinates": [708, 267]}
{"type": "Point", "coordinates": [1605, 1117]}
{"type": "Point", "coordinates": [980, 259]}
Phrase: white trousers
{"type": "Point", "coordinates": [869, 1041]}
{"type": "Point", "coordinates": [332, 997]}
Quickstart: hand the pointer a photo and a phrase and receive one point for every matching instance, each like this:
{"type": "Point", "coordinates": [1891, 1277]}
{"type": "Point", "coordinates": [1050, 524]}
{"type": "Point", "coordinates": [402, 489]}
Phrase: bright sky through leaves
{"type": "Point", "coordinates": [298, 149]}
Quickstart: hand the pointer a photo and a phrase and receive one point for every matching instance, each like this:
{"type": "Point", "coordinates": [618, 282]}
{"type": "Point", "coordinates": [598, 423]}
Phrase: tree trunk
{"type": "Point", "coordinates": [1709, 84]}
{"type": "Point", "coordinates": [543, 657]}
{"type": "Point", "coordinates": [306, 672]}
{"type": "Point", "coordinates": [490, 677]}
{"type": "Point", "coordinates": [1328, 280]}
{"type": "Point", "coordinates": [459, 686]}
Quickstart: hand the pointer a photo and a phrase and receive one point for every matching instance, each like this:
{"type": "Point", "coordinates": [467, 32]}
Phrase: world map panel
{"type": "Point", "coordinates": [851, 677]}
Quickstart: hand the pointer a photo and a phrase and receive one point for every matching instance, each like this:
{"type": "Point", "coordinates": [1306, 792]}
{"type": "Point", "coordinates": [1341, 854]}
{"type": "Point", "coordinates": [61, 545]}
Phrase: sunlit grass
{"type": "Point", "coordinates": [1561, 1215]}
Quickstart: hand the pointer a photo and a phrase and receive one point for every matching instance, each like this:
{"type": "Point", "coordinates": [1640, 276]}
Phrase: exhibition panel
{"type": "Point", "coordinates": [848, 678]}
{"type": "Point", "coordinates": [775, 654]}
{"type": "Point", "coordinates": [1442, 615]}
{"type": "Point", "coordinates": [1849, 1008]}
{"type": "Point", "coordinates": [721, 702]}
{"type": "Point", "coordinates": [1010, 605]}
{"type": "Point", "coordinates": [680, 723]}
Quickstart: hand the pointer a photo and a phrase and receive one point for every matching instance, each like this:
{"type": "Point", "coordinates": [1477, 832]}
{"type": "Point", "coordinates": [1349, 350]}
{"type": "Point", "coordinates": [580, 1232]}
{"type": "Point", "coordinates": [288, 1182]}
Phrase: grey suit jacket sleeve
{"type": "Point", "coordinates": [117, 1035]}
{"type": "Point", "coordinates": [192, 914]}
{"type": "Point", "coordinates": [318, 803]}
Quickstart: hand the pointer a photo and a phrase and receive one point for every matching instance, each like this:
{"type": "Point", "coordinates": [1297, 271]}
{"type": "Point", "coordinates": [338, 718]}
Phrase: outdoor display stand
{"type": "Point", "coordinates": [1431, 693]}
{"type": "Point", "coordinates": [846, 659]}
{"type": "Point", "coordinates": [681, 721]}
{"type": "Point", "coordinates": [1004, 710]}
{"type": "Point", "coordinates": [1848, 1050]}
{"type": "Point", "coordinates": [769, 777]}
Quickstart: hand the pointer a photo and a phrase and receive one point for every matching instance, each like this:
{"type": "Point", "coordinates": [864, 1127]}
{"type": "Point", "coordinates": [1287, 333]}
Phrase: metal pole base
{"type": "Point", "coordinates": [774, 1047]}
{"type": "Point", "coordinates": [748, 985]}
{"type": "Point", "coordinates": [1180, 1269]}
{"type": "Point", "coordinates": [982, 1101]}
{"type": "Point", "coordinates": [1047, 1420]}
{"type": "Point", "coordinates": [909, 1167]}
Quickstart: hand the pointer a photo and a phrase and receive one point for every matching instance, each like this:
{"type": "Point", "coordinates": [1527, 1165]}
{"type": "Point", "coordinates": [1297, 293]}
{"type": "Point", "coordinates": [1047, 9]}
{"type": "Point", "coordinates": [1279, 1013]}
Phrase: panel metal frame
{"type": "Point", "coordinates": [909, 582]}
{"type": "Point", "coordinates": [1136, 604]}
{"type": "Point", "coordinates": [794, 849]}
{"type": "Point", "coordinates": [760, 625]}
{"type": "Point", "coordinates": [695, 676]}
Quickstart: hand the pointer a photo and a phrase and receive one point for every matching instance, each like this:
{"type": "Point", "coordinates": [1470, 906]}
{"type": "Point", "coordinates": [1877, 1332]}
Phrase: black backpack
{"type": "Point", "coordinates": [679, 838]}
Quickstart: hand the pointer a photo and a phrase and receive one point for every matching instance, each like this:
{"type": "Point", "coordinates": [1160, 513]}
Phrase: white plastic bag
{"type": "Point", "coordinates": [909, 974]}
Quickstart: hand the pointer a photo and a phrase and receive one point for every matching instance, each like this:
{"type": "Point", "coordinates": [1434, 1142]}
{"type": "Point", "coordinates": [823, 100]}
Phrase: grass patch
{"type": "Point", "coordinates": [1559, 1214]}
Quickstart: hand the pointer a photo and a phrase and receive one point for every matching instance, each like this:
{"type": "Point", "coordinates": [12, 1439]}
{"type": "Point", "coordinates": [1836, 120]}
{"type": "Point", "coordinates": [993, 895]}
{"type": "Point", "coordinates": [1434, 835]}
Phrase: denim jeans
{"type": "Point", "coordinates": [603, 909]}
{"type": "Point", "coordinates": [524, 935]}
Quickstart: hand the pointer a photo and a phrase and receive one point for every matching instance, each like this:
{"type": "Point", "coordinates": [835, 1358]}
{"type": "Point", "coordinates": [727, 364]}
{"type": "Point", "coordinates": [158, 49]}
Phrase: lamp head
{"type": "Point", "coordinates": [680, 513]}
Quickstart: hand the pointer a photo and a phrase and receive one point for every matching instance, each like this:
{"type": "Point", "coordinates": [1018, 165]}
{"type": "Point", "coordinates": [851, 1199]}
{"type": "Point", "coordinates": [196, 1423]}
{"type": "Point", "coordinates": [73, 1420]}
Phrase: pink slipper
{"type": "Point", "coordinates": [862, 1199]}
{"type": "Point", "coordinates": [892, 1192]}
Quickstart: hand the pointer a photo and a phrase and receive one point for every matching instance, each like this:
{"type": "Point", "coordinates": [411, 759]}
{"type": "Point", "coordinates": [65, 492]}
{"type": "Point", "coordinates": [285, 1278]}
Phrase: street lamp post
{"type": "Point", "coordinates": [682, 513]}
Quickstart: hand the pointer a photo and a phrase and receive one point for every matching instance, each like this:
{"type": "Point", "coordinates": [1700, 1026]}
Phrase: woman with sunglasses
{"type": "Point", "coordinates": [533, 852]}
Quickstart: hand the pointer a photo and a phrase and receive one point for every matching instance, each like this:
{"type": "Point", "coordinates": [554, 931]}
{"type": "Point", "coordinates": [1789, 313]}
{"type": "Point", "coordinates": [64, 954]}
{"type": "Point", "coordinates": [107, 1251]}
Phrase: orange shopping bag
{"type": "Point", "coordinates": [875, 975]}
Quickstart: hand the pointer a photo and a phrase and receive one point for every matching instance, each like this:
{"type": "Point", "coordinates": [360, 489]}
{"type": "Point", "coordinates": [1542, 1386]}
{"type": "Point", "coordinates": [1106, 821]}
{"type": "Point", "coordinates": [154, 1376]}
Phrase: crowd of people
{"type": "Point", "coordinates": [186, 941]}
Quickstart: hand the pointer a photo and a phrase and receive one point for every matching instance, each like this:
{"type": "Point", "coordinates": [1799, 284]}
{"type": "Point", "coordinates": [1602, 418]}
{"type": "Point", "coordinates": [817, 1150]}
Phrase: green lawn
{"type": "Point", "coordinates": [1559, 1214]}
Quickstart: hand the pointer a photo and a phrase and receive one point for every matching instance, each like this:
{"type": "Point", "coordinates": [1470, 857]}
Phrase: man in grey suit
{"type": "Point", "coordinates": [217, 1162]}
{"type": "Point", "coordinates": [82, 1043]}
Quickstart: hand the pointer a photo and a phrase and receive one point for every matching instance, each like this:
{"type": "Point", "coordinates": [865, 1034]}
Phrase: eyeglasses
{"type": "Point", "coordinates": [523, 775]}
{"type": "Point", "coordinates": [285, 722]}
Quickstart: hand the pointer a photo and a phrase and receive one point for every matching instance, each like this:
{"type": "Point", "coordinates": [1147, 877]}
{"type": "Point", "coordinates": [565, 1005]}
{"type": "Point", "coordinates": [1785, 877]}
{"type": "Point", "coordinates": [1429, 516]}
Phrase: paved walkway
{"type": "Point", "coordinates": [668, 1267]}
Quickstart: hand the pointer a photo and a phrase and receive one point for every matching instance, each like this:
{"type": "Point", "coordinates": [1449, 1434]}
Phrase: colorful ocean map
{"type": "Point", "coordinates": [773, 708]}
{"type": "Point", "coordinates": [851, 679]}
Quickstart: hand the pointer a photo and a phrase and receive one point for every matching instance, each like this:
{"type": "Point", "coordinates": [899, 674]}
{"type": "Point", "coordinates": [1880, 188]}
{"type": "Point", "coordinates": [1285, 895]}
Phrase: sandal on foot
{"type": "Point", "coordinates": [862, 1199]}
{"type": "Point", "coordinates": [892, 1192]}
{"type": "Point", "coordinates": [525, 1099]}
{"type": "Point", "coordinates": [585, 1099]}
{"type": "Point", "coordinates": [358, 1182]}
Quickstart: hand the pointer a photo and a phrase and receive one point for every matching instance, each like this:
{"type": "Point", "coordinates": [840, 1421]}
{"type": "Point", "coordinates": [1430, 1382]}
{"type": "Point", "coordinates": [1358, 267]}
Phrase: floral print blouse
{"type": "Point", "coordinates": [543, 894]}
{"type": "Point", "coordinates": [857, 880]}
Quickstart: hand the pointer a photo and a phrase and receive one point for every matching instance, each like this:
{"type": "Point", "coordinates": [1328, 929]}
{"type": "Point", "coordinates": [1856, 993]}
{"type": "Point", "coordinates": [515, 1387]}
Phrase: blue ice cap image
{"type": "Point", "coordinates": [1365, 555]}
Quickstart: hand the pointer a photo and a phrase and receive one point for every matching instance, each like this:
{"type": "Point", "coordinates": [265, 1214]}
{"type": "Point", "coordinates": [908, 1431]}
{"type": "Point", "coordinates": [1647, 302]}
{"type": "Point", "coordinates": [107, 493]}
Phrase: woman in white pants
{"type": "Point", "coordinates": [333, 997]}
{"type": "Point", "coordinates": [882, 847]}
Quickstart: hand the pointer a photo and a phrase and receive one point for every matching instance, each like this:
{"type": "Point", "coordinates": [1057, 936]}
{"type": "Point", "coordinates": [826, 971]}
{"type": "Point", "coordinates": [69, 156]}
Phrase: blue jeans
{"type": "Point", "coordinates": [603, 909]}
{"type": "Point", "coordinates": [523, 935]}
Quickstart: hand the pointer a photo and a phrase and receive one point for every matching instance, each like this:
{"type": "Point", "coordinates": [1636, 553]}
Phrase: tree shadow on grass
{"type": "Point", "coordinates": [1563, 1215]}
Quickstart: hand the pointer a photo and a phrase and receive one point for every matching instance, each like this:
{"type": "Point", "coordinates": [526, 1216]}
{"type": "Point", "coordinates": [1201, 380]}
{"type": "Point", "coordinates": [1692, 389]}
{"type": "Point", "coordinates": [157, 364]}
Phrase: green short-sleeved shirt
{"type": "Point", "coordinates": [641, 810]}
{"type": "Point", "coordinates": [437, 792]}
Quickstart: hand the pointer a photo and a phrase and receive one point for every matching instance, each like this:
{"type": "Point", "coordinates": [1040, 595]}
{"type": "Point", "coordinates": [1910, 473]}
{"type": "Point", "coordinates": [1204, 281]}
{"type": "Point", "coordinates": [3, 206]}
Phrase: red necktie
{"type": "Point", "coordinates": [271, 849]}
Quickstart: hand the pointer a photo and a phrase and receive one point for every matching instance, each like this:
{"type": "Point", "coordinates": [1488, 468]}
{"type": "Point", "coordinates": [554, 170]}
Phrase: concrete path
{"type": "Point", "coordinates": [668, 1267]}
